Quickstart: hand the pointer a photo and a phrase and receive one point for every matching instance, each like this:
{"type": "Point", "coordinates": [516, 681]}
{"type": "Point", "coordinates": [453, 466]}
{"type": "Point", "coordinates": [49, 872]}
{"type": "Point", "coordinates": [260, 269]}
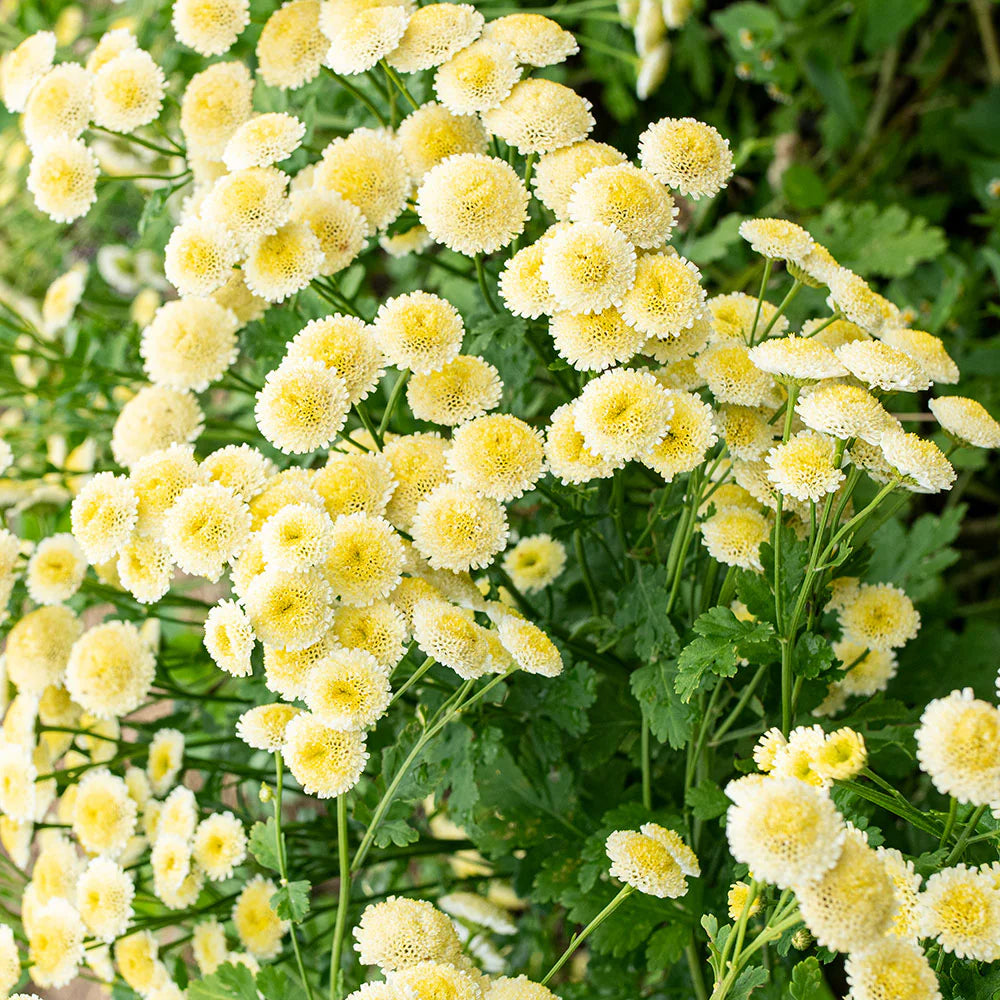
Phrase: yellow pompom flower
{"type": "Point", "coordinates": [539, 116]}
{"type": "Point", "coordinates": [860, 304]}
{"type": "Point", "coordinates": [920, 463]}
{"type": "Point", "coordinates": [289, 610]}
{"type": "Point", "coordinates": [796, 360]}
{"type": "Point", "coordinates": [883, 367]}
{"type": "Point", "coordinates": [645, 864]}
{"type": "Point", "coordinates": [60, 105]}
{"type": "Point", "coordinates": [960, 908]}
{"type": "Point", "coordinates": [137, 960]}
{"type": "Point", "coordinates": [733, 536]}
{"type": "Point", "coordinates": [360, 40]}
{"type": "Point", "coordinates": [926, 350]}
{"type": "Point", "coordinates": [145, 568]}
{"type": "Point", "coordinates": [566, 453]}
{"type": "Point", "coordinates": [737, 899]}
{"type": "Point", "coordinates": [190, 343]}
{"type": "Point", "coordinates": [110, 670]}
{"type": "Point", "coordinates": [216, 102]}
{"type": "Point", "coordinates": [667, 297]}
{"type": "Point", "coordinates": [154, 418]}
{"type": "Point", "coordinates": [622, 414]}
{"type": "Point", "coordinates": [210, 27]}
{"type": "Point", "coordinates": [803, 467]}
{"type": "Point", "coordinates": [158, 479]}
{"type": "Point", "coordinates": [38, 647]}
{"type": "Point", "coordinates": [364, 560]}
{"type": "Point", "coordinates": [777, 239]}
{"type": "Point", "coordinates": [429, 980]}
{"type": "Point", "coordinates": [419, 331]}
{"type": "Point", "coordinates": [347, 690]}
{"type": "Point", "coordinates": [10, 961]}
{"type": "Point", "coordinates": [199, 258]}
{"type": "Point", "coordinates": [532, 650]}
{"type": "Point", "coordinates": [419, 465]}
{"type": "Point", "coordinates": [291, 47]}
{"type": "Point", "coordinates": [891, 967]}
{"type": "Point", "coordinates": [104, 814]}
{"type": "Point", "coordinates": [18, 798]}
{"type": "Point", "coordinates": [296, 537]}
{"type": "Point", "coordinates": [55, 944]}
{"type": "Point", "coordinates": [302, 407]}
{"type": "Point", "coordinates": [219, 845]}
{"type": "Point", "coordinates": [208, 945]}
{"type": "Point", "coordinates": [958, 746]}
{"type": "Point", "coordinates": [852, 904]}
{"type": "Point", "coordinates": [536, 40]}
{"type": "Point", "coordinates": [732, 316]}
{"type": "Point", "coordinates": [844, 412]}
{"type": "Point", "coordinates": [522, 286]}
{"type": "Point", "coordinates": [966, 421]}
{"type": "Point", "coordinates": [588, 267]}
{"type": "Point", "coordinates": [689, 436]}
{"type": "Point", "coordinates": [870, 669]}
{"type": "Point", "coordinates": [338, 226]}
{"type": "Point", "coordinates": [746, 431]}
{"type": "Point", "coordinates": [463, 389]}
{"type": "Point", "coordinates": [206, 527]}
{"type": "Point", "coordinates": [22, 67]}
{"type": "Point", "coordinates": [259, 928]}
{"type": "Point", "coordinates": [62, 179]}
{"type": "Point", "coordinates": [112, 43]}
{"type": "Point", "coordinates": [497, 456]}
{"type": "Point", "coordinates": [378, 629]}
{"type": "Point", "coordinates": [400, 933]}
{"type": "Point", "coordinates": [535, 562]}
{"type": "Point", "coordinates": [435, 33]}
{"type": "Point", "coordinates": [880, 616]}
{"type": "Point", "coordinates": [239, 467]}
{"type": "Point", "coordinates": [841, 756]}
{"type": "Point", "coordinates": [62, 297]}
{"type": "Point", "coordinates": [263, 141]}
{"type": "Point", "coordinates": [164, 761]}
{"type": "Point", "coordinates": [687, 155]}
{"type": "Point", "coordinates": [432, 133]}
{"type": "Point", "coordinates": [366, 168]}
{"type": "Point", "coordinates": [455, 528]}
{"type": "Point", "coordinates": [325, 762]}
{"type": "Point", "coordinates": [731, 375]}
{"type": "Point", "coordinates": [358, 483]}
{"type": "Point", "coordinates": [283, 262]}
{"type": "Point", "coordinates": [263, 726]}
{"type": "Point", "coordinates": [472, 203]}
{"type": "Point", "coordinates": [450, 636]}
{"type": "Point", "coordinates": [477, 78]}
{"type": "Point", "coordinates": [229, 638]}
{"type": "Point", "coordinates": [788, 832]}
{"type": "Point", "coordinates": [104, 897]}
{"type": "Point", "coordinates": [128, 91]}
{"type": "Point", "coordinates": [55, 570]}
{"type": "Point", "coordinates": [628, 198]}
{"type": "Point", "coordinates": [557, 173]}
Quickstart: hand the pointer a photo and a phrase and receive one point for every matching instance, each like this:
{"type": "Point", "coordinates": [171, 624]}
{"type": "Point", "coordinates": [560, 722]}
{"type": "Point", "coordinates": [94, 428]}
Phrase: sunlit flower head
{"type": "Point", "coordinates": [347, 690]}
{"type": "Point", "coordinates": [536, 40]}
{"type": "Point", "coordinates": [366, 168]}
{"type": "Point", "coordinates": [733, 316]}
{"type": "Point", "coordinates": [883, 367]}
{"type": "Point", "coordinates": [400, 933]}
{"type": "Point", "coordinates": [532, 650]}
{"type": "Point", "coordinates": [746, 431]}
{"type": "Point", "coordinates": [844, 412]}
{"type": "Point", "coordinates": [22, 67]}
{"type": "Point", "coordinates": [291, 47]}
{"type": "Point", "coordinates": [566, 453]}
{"type": "Point", "coordinates": [732, 376]}
{"type": "Point", "coordinates": [210, 27]}
{"type": "Point", "coordinates": [622, 414]}
{"type": "Point", "coordinates": [207, 526]}
{"type": "Point", "coordinates": [419, 464]}
{"type": "Point", "coordinates": [216, 102]}
{"type": "Point", "coordinates": [588, 267]}
{"type": "Point", "coordinates": [263, 726]}
{"type": "Point", "coordinates": [136, 958]}
{"type": "Point", "coordinates": [360, 39]}
{"type": "Point", "coordinates": [666, 298]}
{"type": "Point", "coordinates": [289, 610]}
{"type": "Point", "coordinates": [110, 669]}
{"type": "Point", "coordinates": [499, 456]}
{"type": "Point", "coordinates": [419, 331]}
{"type": "Point", "coordinates": [432, 132]}
{"type": "Point", "coordinates": [557, 173]}
{"type": "Point", "coordinates": [868, 670]}
{"type": "Point", "coordinates": [535, 562]}
{"type": "Point", "coordinates": [960, 908]}
{"type": "Point", "coordinates": [154, 418]}
{"type": "Point", "coordinates": [455, 528]}
{"type": "Point", "coordinates": [465, 388]}
{"type": "Point", "coordinates": [477, 78]}
{"type": "Point", "coordinates": [240, 467]}
{"type": "Point", "coordinates": [104, 815]}
{"type": "Point", "coordinates": [539, 116]}
{"type": "Point", "coordinates": [434, 34]}
{"type": "Point", "coordinates": [338, 225]}
{"type": "Point", "coordinates": [859, 303]}
{"type": "Point", "coordinates": [284, 262]}
{"type": "Point", "coordinates": [733, 536]}
{"type": "Point", "coordinates": [958, 746]}
{"type": "Point", "coordinates": [777, 239]}
{"type": "Point", "coordinates": [796, 360]}
{"type": "Point", "coordinates": [645, 864]}
{"type": "Point", "coordinates": [449, 635]}
{"type": "Point", "coordinates": [104, 896]}
{"type": "Point", "coordinates": [926, 350]}
{"type": "Point", "coordinates": [522, 285]}
{"type": "Point", "coordinates": [302, 406]}
{"type": "Point", "coordinates": [359, 483]}
{"type": "Point", "coordinates": [60, 105]}
{"type": "Point", "coordinates": [325, 762]}
{"type": "Point", "coordinates": [263, 141]}
{"type": "Point", "coordinates": [891, 967]}
{"type": "Point", "coordinates": [229, 638]}
{"type": "Point", "coordinates": [378, 629]}
{"type": "Point", "coordinates": [128, 91]}
{"type": "Point", "coordinates": [687, 155]}
{"type": "Point", "coordinates": [473, 203]}
{"type": "Point", "coordinates": [364, 560]}
{"type": "Point", "coordinates": [199, 258]}
{"type": "Point", "coordinates": [434, 979]}
{"type": "Point", "coordinates": [38, 647]}
{"type": "Point", "coordinates": [924, 468]}
{"type": "Point", "coordinates": [55, 570]}
{"type": "Point", "coordinates": [690, 434]}
{"type": "Point", "coordinates": [881, 616]}
{"type": "Point", "coordinates": [219, 845]}
{"type": "Point", "coordinates": [966, 421]}
{"type": "Point", "coordinates": [804, 467]}
{"type": "Point", "coordinates": [55, 943]}
{"type": "Point", "coordinates": [259, 928]}
{"type": "Point", "coordinates": [62, 179]}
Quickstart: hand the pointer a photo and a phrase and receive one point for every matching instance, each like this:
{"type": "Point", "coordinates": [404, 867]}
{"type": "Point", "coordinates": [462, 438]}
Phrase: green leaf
{"type": "Point", "coordinates": [275, 984]}
{"type": "Point", "coordinates": [723, 640]}
{"type": "Point", "coordinates": [291, 902]}
{"type": "Point", "coordinates": [876, 240]}
{"type": "Point", "coordinates": [807, 981]}
{"type": "Point", "coordinates": [228, 982]}
{"type": "Point", "coordinates": [264, 844]}
{"type": "Point", "coordinates": [828, 79]}
{"type": "Point", "coordinates": [813, 655]}
{"type": "Point", "coordinates": [887, 19]}
{"type": "Point", "coordinates": [716, 244]}
{"type": "Point", "coordinates": [706, 800]}
{"type": "Point", "coordinates": [748, 980]}
{"type": "Point", "coordinates": [803, 187]}
{"type": "Point", "coordinates": [643, 609]}
{"type": "Point", "coordinates": [668, 718]}
{"type": "Point", "coordinates": [153, 208]}
{"type": "Point", "coordinates": [666, 946]}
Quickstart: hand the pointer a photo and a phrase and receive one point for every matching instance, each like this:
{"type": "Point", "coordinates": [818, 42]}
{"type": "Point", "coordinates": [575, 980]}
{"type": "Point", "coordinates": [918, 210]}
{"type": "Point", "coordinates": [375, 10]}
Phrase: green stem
{"type": "Point", "coordinates": [792, 292]}
{"type": "Point", "coordinates": [963, 839]}
{"type": "Point", "coordinates": [578, 939]}
{"type": "Point", "coordinates": [359, 94]}
{"type": "Point", "coordinates": [949, 824]}
{"type": "Point", "coordinates": [366, 422]}
{"type": "Point", "coordinates": [394, 397]}
{"type": "Point", "coordinates": [695, 970]}
{"type": "Point", "coordinates": [481, 278]}
{"type": "Point", "coordinates": [343, 902]}
{"type": "Point", "coordinates": [412, 679]}
{"type": "Point", "coordinates": [768, 264]}
{"type": "Point", "coordinates": [394, 76]}
{"type": "Point", "coordinates": [588, 580]}
{"type": "Point", "coordinates": [647, 787]}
